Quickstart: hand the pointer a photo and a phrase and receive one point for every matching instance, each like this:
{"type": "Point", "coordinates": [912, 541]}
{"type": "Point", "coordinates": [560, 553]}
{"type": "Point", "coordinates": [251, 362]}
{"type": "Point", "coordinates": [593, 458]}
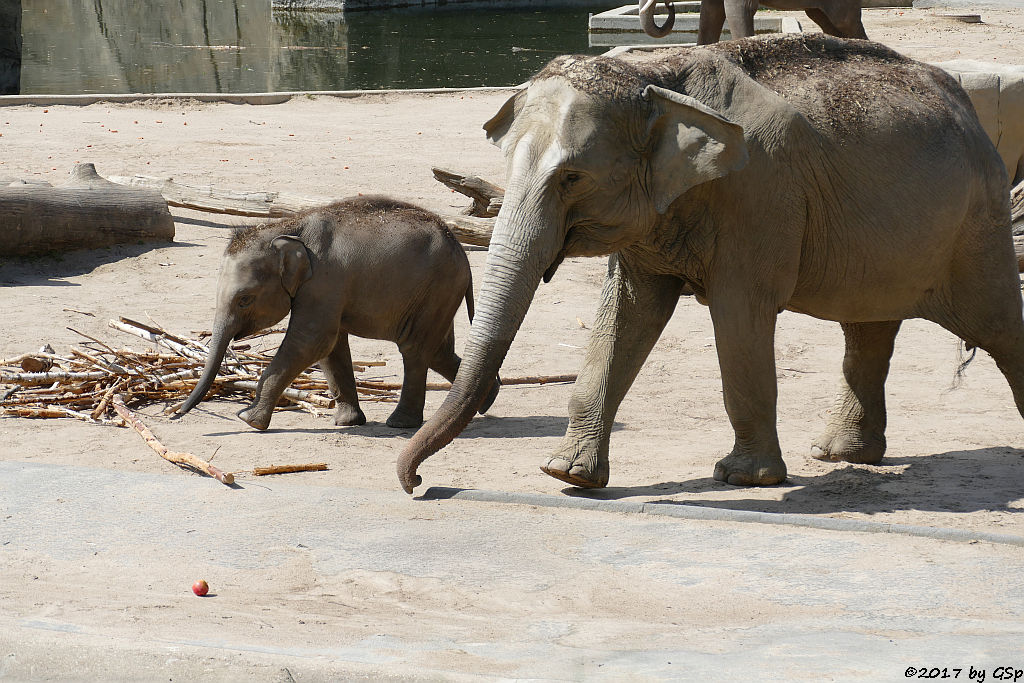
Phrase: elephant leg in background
{"type": "Point", "coordinates": [409, 411]}
{"type": "Point", "coordinates": [856, 427]}
{"type": "Point", "coordinates": [298, 351]}
{"type": "Point", "coordinates": [838, 19]}
{"type": "Point", "coordinates": [740, 14]}
{"type": "Point", "coordinates": [337, 367]}
{"type": "Point", "coordinates": [712, 20]}
{"type": "Point", "coordinates": [745, 336]}
{"type": "Point", "coordinates": [633, 312]}
{"type": "Point", "coordinates": [446, 363]}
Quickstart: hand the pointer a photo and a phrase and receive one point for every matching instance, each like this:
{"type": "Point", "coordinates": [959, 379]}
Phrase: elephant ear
{"type": "Point", "coordinates": [293, 262]}
{"type": "Point", "coordinates": [689, 143]}
{"type": "Point", "coordinates": [500, 123]}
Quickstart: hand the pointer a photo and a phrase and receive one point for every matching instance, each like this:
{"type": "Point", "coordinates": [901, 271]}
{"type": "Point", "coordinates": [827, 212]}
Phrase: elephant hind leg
{"type": "Point", "coordinates": [1005, 343]}
{"type": "Point", "coordinates": [446, 363]}
{"type": "Point", "coordinates": [982, 306]}
{"type": "Point", "coordinates": [856, 426]}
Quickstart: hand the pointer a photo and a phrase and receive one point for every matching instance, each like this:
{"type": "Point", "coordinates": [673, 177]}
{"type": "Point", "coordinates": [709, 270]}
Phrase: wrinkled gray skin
{"type": "Point", "coordinates": [835, 17]}
{"type": "Point", "coordinates": [831, 177]}
{"type": "Point", "coordinates": [369, 266]}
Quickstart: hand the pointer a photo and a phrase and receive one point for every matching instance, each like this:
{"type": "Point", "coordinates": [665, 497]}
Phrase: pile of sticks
{"type": "Point", "coordinates": [96, 383]}
{"type": "Point", "coordinates": [83, 383]}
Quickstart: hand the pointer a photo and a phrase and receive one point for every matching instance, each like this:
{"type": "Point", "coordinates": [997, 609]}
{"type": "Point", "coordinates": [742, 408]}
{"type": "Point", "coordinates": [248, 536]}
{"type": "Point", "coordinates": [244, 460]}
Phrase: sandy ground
{"type": "Point", "coordinates": [953, 457]}
{"type": "Point", "coordinates": [955, 454]}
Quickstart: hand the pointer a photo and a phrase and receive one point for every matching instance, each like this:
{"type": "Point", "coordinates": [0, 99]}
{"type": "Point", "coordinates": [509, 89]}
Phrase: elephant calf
{"type": "Point", "coordinates": [369, 266]}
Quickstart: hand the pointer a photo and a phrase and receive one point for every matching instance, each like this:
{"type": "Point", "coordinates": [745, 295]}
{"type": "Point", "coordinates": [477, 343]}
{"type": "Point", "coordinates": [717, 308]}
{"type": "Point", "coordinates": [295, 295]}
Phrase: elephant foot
{"type": "Point", "coordinates": [348, 416]}
{"type": "Point", "coordinates": [401, 419]}
{"type": "Point", "coordinates": [574, 474]}
{"type": "Point", "coordinates": [491, 395]}
{"type": "Point", "coordinates": [254, 419]}
{"type": "Point", "coordinates": [744, 469]}
{"type": "Point", "coordinates": [579, 467]}
{"type": "Point", "coordinates": [849, 446]}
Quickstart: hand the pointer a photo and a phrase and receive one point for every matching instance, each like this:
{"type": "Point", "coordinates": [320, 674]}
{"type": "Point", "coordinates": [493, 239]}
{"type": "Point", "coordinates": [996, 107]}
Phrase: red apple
{"type": "Point", "coordinates": [200, 588]}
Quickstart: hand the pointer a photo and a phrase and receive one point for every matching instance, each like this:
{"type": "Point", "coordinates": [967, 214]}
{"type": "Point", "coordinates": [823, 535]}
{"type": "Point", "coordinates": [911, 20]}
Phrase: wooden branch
{"type": "Point", "coordinates": [212, 200]}
{"type": "Point", "coordinates": [291, 394]}
{"type": "Point", "coordinates": [486, 196]}
{"type": "Point", "coordinates": [285, 469]}
{"type": "Point", "coordinates": [84, 213]}
{"type": "Point", "coordinates": [50, 377]}
{"type": "Point", "coordinates": [538, 379]}
{"type": "Point", "coordinates": [374, 386]}
{"type": "Point", "coordinates": [186, 459]}
{"type": "Point", "coordinates": [132, 327]}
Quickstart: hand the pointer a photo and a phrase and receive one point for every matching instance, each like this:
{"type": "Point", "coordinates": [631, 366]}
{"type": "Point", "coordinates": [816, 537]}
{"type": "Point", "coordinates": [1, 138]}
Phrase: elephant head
{"type": "Point", "coordinates": [594, 155]}
{"type": "Point", "coordinates": [650, 27]}
{"type": "Point", "coordinates": [259, 277]}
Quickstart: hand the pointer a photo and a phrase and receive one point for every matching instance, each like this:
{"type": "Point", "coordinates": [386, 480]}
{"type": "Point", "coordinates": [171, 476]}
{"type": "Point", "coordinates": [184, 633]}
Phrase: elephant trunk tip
{"type": "Point", "coordinates": [451, 418]}
{"type": "Point", "coordinates": [410, 480]}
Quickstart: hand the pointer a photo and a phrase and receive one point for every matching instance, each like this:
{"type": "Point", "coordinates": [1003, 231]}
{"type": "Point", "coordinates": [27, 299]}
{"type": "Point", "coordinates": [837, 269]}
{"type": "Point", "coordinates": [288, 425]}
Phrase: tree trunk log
{"type": "Point", "coordinates": [470, 230]}
{"type": "Point", "coordinates": [85, 212]}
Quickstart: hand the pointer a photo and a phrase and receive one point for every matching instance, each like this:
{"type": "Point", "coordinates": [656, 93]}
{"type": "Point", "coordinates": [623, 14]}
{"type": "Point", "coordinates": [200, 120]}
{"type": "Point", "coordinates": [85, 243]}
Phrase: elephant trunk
{"type": "Point", "coordinates": [218, 347]}
{"type": "Point", "coordinates": [651, 27]}
{"type": "Point", "coordinates": [516, 260]}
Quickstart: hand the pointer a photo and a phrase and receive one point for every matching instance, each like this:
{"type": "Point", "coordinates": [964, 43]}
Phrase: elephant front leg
{"type": "Point", "coordinates": [745, 337]}
{"type": "Point", "coordinates": [856, 427]}
{"type": "Point", "coordinates": [337, 366]}
{"type": "Point", "coordinates": [740, 15]}
{"type": "Point", "coordinates": [634, 310]}
{"type": "Point", "coordinates": [711, 22]}
{"type": "Point", "coordinates": [299, 350]}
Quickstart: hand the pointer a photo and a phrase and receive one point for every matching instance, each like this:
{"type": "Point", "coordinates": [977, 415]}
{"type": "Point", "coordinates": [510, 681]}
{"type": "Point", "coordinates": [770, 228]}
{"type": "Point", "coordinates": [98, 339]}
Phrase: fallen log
{"type": "Point", "coordinates": [210, 199]}
{"type": "Point", "coordinates": [180, 459]}
{"type": "Point", "coordinates": [470, 230]}
{"type": "Point", "coordinates": [85, 212]}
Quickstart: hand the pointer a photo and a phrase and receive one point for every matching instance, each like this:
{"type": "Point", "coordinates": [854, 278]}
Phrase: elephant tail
{"type": "Point", "coordinates": [470, 308]}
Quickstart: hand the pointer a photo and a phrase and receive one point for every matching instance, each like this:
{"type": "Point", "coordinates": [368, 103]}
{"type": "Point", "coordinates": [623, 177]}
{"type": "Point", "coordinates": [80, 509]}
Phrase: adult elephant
{"type": "Point", "coordinates": [831, 177]}
{"type": "Point", "coordinates": [839, 18]}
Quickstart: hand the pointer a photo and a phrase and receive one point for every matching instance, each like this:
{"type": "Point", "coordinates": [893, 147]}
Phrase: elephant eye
{"type": "Point", "coordinates": [572, 181]}
{"type": "Point", "coordinates": [245, 300]}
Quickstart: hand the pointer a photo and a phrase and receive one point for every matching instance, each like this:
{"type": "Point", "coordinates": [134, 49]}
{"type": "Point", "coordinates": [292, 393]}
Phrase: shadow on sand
{"type": "Point", "coordinates": [985, 479]}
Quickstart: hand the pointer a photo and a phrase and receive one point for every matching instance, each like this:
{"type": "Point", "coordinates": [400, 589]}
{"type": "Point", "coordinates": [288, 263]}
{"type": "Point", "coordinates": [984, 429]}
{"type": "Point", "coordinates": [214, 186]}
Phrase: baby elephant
{"type": "Point", "coordinates": [369, 266]}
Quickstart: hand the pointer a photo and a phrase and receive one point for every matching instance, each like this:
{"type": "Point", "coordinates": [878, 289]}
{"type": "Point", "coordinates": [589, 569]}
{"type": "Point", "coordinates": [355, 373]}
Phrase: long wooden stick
{"type": "Point", "coordinates": [186, 459]}
{"type": "Point", "coordinates": [285, 469]}
{"type": "Point", "coordinates": [372, 385]}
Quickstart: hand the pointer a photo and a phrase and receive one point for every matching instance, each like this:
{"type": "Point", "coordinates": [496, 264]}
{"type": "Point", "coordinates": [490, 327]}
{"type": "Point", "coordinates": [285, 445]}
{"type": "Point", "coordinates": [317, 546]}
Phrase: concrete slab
{"type": "Point", "coordinates": [326, 583]}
